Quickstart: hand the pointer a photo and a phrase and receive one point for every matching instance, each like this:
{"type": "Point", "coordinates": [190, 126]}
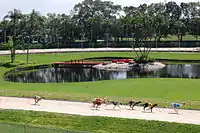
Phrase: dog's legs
{"type": "Point", "coordinates": [130, 105]}
{"type": "Point", "coordinates": [119, 106]}
{"type": "Point", "coordinates": [97, 107]}
{"type": "Point", "coordinates": [175, 110]}
{"type": "Point", "coordinates": [144, 109]}
{"type": "Point", "coordinates": [35, 101]}
{"type": "Point", "coordinates": [94, 103]}
{"type": "Point", "coordinates": [39, 100]}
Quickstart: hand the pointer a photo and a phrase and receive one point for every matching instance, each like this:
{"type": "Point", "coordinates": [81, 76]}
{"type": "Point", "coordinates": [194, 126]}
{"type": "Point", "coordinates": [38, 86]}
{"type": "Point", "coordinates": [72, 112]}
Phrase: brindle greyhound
{"type": "Point", "coordinates": [116, 103]}
{"type": "Point", "coordinates": [38, 98]}
{"type": "Point", "coordinates": [132, 103]}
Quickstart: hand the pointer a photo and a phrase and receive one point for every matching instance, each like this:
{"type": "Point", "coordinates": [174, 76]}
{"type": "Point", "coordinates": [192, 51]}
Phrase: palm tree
{"type": "Point", "coordinates": [5, 24]}
{"type": "Point", "coordinates": [14, 17]}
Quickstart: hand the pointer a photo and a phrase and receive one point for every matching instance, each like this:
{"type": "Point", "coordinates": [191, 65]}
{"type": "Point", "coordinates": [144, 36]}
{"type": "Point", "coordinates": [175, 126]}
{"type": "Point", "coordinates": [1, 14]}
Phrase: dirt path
{"type": "Point", "coordinates": [85, 109]}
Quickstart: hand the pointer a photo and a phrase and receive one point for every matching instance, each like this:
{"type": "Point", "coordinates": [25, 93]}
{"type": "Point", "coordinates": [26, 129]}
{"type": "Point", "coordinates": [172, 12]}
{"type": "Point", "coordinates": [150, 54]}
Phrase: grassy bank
{"type": "Point", "coordinates": [49, 58]}
{"type": "Point", "coordinates": [149, 90]}
{"type": "Point", "coordinates": [93, 124]}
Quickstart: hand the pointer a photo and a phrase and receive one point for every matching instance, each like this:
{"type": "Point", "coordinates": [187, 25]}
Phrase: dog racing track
{"type": "Point", "coordinates": [86, 109]}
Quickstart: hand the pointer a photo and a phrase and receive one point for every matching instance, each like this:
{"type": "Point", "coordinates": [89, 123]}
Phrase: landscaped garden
{"type": "Point", "coordinates": [156, 90]}
{"type": "Point", "coordinates": [146, 89]}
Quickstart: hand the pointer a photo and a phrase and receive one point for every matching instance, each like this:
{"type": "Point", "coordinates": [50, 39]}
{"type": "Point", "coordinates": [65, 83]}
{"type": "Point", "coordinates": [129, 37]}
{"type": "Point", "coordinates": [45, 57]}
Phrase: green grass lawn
{"type": "Point", "coordinates": [175, 38]}
{"type": "Point", "coordinates": [16, 128]}
{"type": "Point", "coordinates": [148, 90]}
{"type": "Point", "coordinates": [88, 124]}
{"type": "Point", "coordinates": [185, 38]}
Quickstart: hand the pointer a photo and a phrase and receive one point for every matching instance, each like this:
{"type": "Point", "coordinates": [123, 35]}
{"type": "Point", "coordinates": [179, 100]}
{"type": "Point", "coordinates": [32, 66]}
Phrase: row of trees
{"type": "Point", "coordinates": [95, 19]}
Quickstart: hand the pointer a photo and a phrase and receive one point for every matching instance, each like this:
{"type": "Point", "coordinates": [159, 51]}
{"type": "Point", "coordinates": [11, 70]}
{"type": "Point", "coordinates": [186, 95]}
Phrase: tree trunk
{"type": "Point", "coordinates": [12, 56]}
{"type": "Point", "coordinates": [159, 38]}
{"type": "Point", "coordinates": [5, 35]}
{"type": "Point", "coordinates": [117, 39]}
{"type": "Point", "coordinates": [181, 38]}
{"type": "Point", "coordinates": [27, 55]}
{"type": "Point", "coordinates": [196, 40]}
{"type": "Point", "coordinates": [179, 41]}
{"type": "Point", "coordinates": [91, 34]}
{"type": "Point", "coordinates": [14, 41]}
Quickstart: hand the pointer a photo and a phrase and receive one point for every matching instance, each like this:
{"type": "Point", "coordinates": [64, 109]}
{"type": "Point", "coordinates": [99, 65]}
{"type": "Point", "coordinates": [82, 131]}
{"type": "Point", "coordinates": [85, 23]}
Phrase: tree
{"type": "Point", "coordinates": [90, 13]}
{"type": "Point", "coordinates": [141, 28]}
{"type": "Point", "coordinates": [5, 25]}
{"type": "Point", "coordinates": [14, 17]}
{"type": "Point", "coordinates": [160, 20]}
{"type": "Point", "coordinates": [66, 29]}
{"type": "Point", "coordinates": [10, 46]}
{"type": "Point", "coordinates": [117, 29]}
{"type": "Point", "coordinates": [54, 21]}
{"type": "Point", "coordinates": [195, 27]}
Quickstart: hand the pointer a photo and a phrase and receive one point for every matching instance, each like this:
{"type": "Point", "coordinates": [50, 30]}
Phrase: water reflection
{"type": "Point", "coordinates": [55, 75]}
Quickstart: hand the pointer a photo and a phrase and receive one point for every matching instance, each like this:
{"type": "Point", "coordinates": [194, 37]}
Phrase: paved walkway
{"type": "Point", "coordinates": [85, 109]}
{"type": "Point", "coordinates": [67, 50]}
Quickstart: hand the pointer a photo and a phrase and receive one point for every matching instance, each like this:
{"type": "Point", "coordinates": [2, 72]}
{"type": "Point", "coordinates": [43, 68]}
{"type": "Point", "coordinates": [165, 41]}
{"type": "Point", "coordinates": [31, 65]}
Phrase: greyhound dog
{"type": "Point", "coordinates": [151, 106]}
{"type": "Point", "coordinates": [98, 102]}
{"type": "Point", "coordinates": [116, 103]}
{"type": "Point", "coordinates": [132, 103]}
{"type": "Point", "coordinates": [38, 98]}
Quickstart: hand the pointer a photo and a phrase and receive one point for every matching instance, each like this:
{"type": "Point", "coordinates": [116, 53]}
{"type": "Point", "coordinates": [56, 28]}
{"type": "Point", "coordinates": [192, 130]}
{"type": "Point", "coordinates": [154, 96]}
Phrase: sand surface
{"type": "Point", "coordinates": [85, 109]}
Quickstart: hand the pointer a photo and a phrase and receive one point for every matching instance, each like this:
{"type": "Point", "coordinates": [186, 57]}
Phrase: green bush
{"type": "Point", "coordinates": [144, 58]}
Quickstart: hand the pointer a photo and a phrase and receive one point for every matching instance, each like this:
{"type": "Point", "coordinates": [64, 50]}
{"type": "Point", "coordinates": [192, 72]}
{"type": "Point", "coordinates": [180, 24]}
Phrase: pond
{"type": "Point", "coordinates": [59, 75]}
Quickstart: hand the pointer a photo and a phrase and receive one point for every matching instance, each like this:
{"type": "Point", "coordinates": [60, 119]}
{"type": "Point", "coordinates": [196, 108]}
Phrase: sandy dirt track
{"type": "Point", "coordinates": [85, 109]}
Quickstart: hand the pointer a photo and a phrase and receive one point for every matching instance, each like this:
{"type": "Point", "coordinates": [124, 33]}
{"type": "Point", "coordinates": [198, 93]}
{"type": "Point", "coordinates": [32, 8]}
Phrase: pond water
{"type": "Point", "coordinates": [57, 75]}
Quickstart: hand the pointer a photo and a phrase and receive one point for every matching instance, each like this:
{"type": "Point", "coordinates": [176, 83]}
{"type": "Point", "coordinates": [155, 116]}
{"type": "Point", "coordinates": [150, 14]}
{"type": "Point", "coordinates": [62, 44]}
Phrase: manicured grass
{"type": "Point", "coordinates": [149, 90]}
{"type": "Point", "coordinates": [173, 38]}
{"type": "Point", "coordinates": [49, 58]}
{"type": "Point", "coordinates": [93, 124]}
{"type": "Point", "coordinates": [16, 128]}
{"type": "Point", "coordinates": [185, 38]}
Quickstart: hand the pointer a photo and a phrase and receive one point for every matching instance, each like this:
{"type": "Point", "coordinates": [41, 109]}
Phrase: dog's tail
{"type": "Point", "coordinates": [138, 102]}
